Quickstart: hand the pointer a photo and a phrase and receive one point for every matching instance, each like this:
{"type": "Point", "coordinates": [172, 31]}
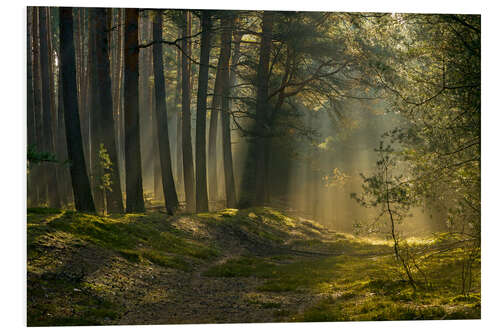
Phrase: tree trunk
{"type": "Point", "coordinates": [62, 149]}
{"type": "Point", "coordinates": [133, 175]}
{"type": "Point", "coordinates": [222, 66]}
{"type": "Point", "coordinates": [169, 193]}
{"type": "Point", "coordinates": [157, 170]}
{"type": "Point", "coordinates": [86, 87]}
{"type": "Point", "coordinates": [187, 148]}
{"type": "Point", "coordinates": [94, 113]}
{"type": "Point", "coordinates": [50, 175]}
{"type": "Point", "coordinates": [79, 178]}
{"type": "Point", "coordinates": [40, 193]}
{"type": "Point", "coordinates": [228, 82]}
{"type": "Point", "coordinates": [262, 149]}
{"type": "Point", "coordinates": [179, 174]}
{"type": "Point", "coordinates": [31, 198]}
{"type": "Point", "coordinates": [114, 201]}
{"type": "Point", "coordinates": [201, 115]}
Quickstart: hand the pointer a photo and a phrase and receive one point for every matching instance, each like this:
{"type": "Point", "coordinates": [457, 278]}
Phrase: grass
{"type": "Point", "coordinates": [134, 236]}
{"type": "Point", "coordinates": [75, 278]}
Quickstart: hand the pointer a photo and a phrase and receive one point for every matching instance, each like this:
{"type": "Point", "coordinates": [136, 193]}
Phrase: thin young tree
{"type": "Point", "coordinates": [187, 149]}
{"type": "Point", "coordinates": [78, 169]}
{"type": "Point", "coordinates": [133, 170]}
{"type": "Point", "coordinates": [169, 192]}
{"type": "Point", "coordinates": [201, 114]}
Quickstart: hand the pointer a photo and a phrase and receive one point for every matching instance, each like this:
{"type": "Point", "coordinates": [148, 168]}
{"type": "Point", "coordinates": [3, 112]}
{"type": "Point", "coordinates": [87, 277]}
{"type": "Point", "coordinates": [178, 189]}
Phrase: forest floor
{"type": "Point", "coordinates": [230, 266]}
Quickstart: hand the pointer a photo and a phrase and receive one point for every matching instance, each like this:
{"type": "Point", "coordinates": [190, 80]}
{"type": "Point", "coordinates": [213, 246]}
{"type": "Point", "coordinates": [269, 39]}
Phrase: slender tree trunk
{"type": "Point", "coordinates": [94, 112]}
{"type": "Point", "coordinates": [169, 193]}
{"type": "Point", "coordinates": [223, 65]}
{"type": "Point", "coordinates": [187, 148]}
{"type": "Point", "coordinates": [114, 201]}
{"type": "Point", "coordinates": [261, 174]}
{"type": "Point", "coordinates": [29, 93]}
{"type": "Point", "coordinates": [53, 107]}
{"type": "Point", "coordinates": [40, 193]}
{"type": "Point", "coordinates": [62, 149]}
{"type": "Point", "coordinates": [117, 96]}
{"type": "Point", "coordinates": [135, 198]}
{"type": "Point", "coordinates": [79, 178]}
{"type": "Point", "coordinates": [79, 60]}
{"type": "Point", "coordinates": [179, 174]}
{"type": "Point", "coordinates": [88, 94]}
{"type": "Point", "coordinates": [30, 105]}
{"type": "Point", "coordinates": [51, 175]}
{"type": "Point", "coordinates": [228, 82]}
{"type": "Point", "coordinates": [158, 187]}
{"type": "Point", "coordinates": [201, 115]}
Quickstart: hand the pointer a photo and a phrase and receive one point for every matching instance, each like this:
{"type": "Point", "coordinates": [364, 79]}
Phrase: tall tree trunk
{"type": "Point", "coordinates": [40, 193]}
{"type": "Point", "coordinates": [114, 201]}
{"type": "Point", "coordinates": [133, 171]}
{"type": "Point", "coordinates": [51, 175]}
{"type": "Point", "coordinates": [187, 148]}
{"type": "Point", "coordinates": [31, 197]}
{"type": "Point", "coordinates": [228, 82]}
{"type": "Point", "coordinates": [79, 61]}
{"type": "Point", "coordinates": [223, 65]}
{"type": "Point", "coordinates": [169, 193]}
{"type": "Point", "coordinates": [179, 174]}
{"type": "Point", "coordinates": [94, 112]}
{"type": "Point", "coordinates": [53, 106]}
{"type": "Point", "coordinates": [86, 91]}
{"type": "Point", "coordinates": [157, 170]}
{"type": "Point", "coordinates": [79, 177]}
{"type": "Point", "coordinates": [201, 114]}
{"type": "Point", "coordinates": [261, 174]}
{"type": "Point", "coordinates": [85, 113]}
{"type": "Point", "coordinates": [117, 95]}
{"type": "Point", "coordinates": [62, 149]}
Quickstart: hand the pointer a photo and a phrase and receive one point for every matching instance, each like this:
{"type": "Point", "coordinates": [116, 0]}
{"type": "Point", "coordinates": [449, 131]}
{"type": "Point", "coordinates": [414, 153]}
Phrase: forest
{"type": "Point", "coordinates": [243, 166]}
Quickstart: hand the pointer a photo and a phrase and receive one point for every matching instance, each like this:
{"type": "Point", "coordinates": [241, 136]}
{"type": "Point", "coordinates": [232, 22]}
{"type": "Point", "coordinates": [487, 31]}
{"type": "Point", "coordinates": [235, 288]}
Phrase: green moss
{"type": "Point", "coordinates": [359, 280]}
{"type": "Point", "coordinates": [161, 259]}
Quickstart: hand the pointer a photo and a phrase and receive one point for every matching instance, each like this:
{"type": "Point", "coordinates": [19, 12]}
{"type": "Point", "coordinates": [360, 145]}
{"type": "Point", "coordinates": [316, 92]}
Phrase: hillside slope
{"type": "Point", "coordinates": [252, 265]}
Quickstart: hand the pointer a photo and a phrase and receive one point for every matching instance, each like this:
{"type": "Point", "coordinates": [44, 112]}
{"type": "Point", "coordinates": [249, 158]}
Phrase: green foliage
{"type": "Point", "coordinates": [37, 157]}
{"type": "Point", "coordinates": [104, 170]}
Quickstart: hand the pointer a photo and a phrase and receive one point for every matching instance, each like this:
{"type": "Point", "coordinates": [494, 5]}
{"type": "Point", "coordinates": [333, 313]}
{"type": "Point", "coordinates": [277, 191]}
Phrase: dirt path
{"type": "Point", "coordinates": [196, 298]}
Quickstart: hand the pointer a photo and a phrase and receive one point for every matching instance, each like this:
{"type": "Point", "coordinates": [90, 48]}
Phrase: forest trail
{"type": "Point", "coordinates": [230, 266]}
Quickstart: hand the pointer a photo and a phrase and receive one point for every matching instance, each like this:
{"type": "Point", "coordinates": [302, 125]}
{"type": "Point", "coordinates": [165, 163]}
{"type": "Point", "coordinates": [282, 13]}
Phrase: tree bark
{"type": "Point", "coordinates": [187, 148]}
{"type": "Point", "coordinates": [31, 188]}
{"type": "Point", "coordinates": [228, 82]}
{"type": "Point", "coordinates": [94, 114]}
{"type": "Point", "coordinates": [261, 172]}
{"type": "Point", "coordinates": [79, 177]}
{"type": "Point", "coordinates": [40, 191]}
{"type": "Point", "coordinates": [201, 114]}
{"type": "Point", "coordinates": [179, 174]}
{"type": "Point", "coordinates": [51, 175]}
{"type": "Point", "coordinates": [114, 201]}
{"type": "Point", "coordinates": [133, 175]}
{"type": "Point", "coordinates": [169, 193]}
{"type": "Point", "coordinates": [222, 66]}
